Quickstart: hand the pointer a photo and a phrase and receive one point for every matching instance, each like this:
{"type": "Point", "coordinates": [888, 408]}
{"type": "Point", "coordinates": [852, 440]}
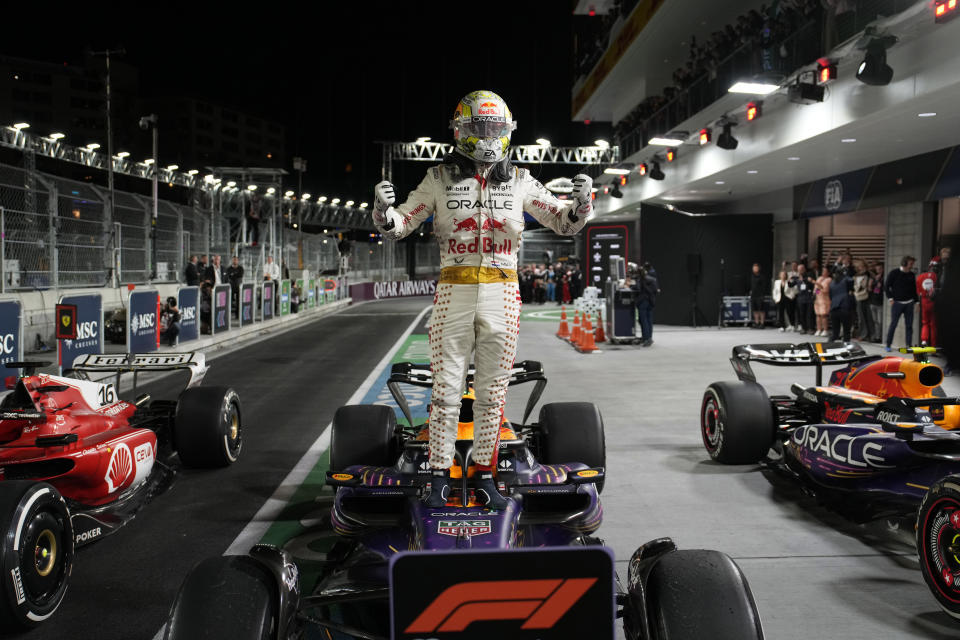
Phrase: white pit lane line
{"type": "Point", "coordinates": [273, 507]}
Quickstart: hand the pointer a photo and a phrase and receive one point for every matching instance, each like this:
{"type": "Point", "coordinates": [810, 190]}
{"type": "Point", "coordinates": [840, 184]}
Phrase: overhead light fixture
{"type": "Point", "coordinates": [21, 126]}
{"type": "Point", "coordinates": [603, 144]}
{"type": "Point", "coordinates": [805, 92]}
{"type": "Point", "coordinates": [93, 146]}
{"type": "Point", "coordinates": [719, 182]}
{"type": "Point", "coordinates": [705, 136]}
{"type": "Point", "coordinates": [671, 155]}
{"type": "Point", "coordinates": [793, 158]}
{"type": "Point", "coordinates": [874, 69]}
{"type": "Point", "coordinates": [251, 187]}
{"type": "Point", "coordinates": [149, 161]}
{"type": "Point", "coordinates": [423, 139]}
{"type": "Point", "coordinates": [335, 201]}
{"type": "Point", "coordinates": [642, 169]}
{"type": "Point", "coordinates": [348, 203]}
{"type": "Point", "coordinates": [726, 140]}
{"type": "Point", "coordinates": [614, 171]}
{"type": "Point", "coordinates": [826, 71]}
{"type": "Point", "coordinates": [231, 183]}
{"type": "Point", "coordinates": [756, 88]}
{"type": "Point", "coordinates": [944, 10]}
{"type": "Point", "coordinates": [123, 154]}
{"type": "Point", "coordinates": [288, 194]}
{"type": "Point", "coordinates": [173, 167]}
{"type": "Point", "coordinates": [656, 173]}
{"type": "Point", "coordinates": [322, 199]}
{"type": "Point", "coordinates": [927, 114]}
{"type": "Point", "coordinates": [271, 190]}
{"type": "Point", "coordinates": [305, 196]}
{"type": "Point", "coordinates": [194, 172]}
{"type": "Point", "coordinates": [665, 141]}
{"type": "Point", "coordinates": [57, 136]}
{"type": "Point", "coordinates": [848, 140]}
{"type": "Point", "coordinates": [543, 142]}
{"type": "Point", "coordinates": [752, 171]}
{"type": "Point", "coordinates": [364, 205]}
{"type": "Point", "coordinates": [754, 110]}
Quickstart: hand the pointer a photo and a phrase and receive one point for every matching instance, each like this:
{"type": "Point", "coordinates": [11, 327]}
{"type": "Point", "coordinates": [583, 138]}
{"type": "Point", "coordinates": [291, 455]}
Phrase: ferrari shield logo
{"type": "Point", "coordinates": [463, 527]}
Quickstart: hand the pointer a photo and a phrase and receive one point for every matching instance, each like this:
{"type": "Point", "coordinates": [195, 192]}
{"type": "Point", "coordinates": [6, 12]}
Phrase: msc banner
{"type": "Point", "coordinates": [142, 321]}
{"type": "Point", "coordinates": [220, 308]}
{"type": "Point", "coordinates": [188, 300]}
{"type": "Point", "coordinates": [284, 297]}
{"type": "Point", "coordinates": [380, 290]}
{"type": "Point", "coordinates": [246, 304]}
{"type": "Point", "coordinates": [89, 324]}
{"type": "Point", "coordinates": [11, 343]}
{"type": "Point", "coordinates": [266, 303]}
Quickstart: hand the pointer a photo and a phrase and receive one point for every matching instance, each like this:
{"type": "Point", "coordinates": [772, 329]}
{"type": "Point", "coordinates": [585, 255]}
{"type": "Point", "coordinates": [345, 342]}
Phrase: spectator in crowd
{"type": "Point", "coordinates": [647, 289]}
{"type": "Point", "coordinates": [565, 294]}
{"type": "Point", "coordinates": [202, 267]}
{"type": "Point", "coordinates": [271, 270]}
{"type": "Point", "coordinates": [784, 304]}
{"type": "Point", "coordinates": [901, 289]}
{"type": "Point", "coordinates": [190, 273]}
{"type": "Point", "coordinates": [861, 295]}
{"type": "Point", "coordinates": [821, 302]}
{"type": "Point", "coordinates": [576, 282]}
{"type": "Point", "coordinates": [526, 285]}
{"type": "Point", "coordinates": [294, 298]}
{"type": "Point", "coordinates": [842, 304]}
{"type": "Point", "coordinates": [875, 286]}
{"type": "Point", "coordinates": [926, 291]}
{"type": "Point", "coordinates": [805, 286]}
{"type": "Point", "coordinates": [790, 291]}
{"type": "Point", "coordinates": [170, 321]}
{"type": "Point", "coordinates": [551, 284]}
{"type": "Point", "coordinates": [284, 269]}
{"type": "Point", "coordinates": [758, 292]}
{"type": "Point", "coordinates": [235, 278]}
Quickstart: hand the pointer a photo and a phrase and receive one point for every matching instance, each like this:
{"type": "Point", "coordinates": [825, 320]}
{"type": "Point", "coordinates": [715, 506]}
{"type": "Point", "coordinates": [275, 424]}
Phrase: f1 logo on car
{"type": "Point", "coordinates": [539, 603]}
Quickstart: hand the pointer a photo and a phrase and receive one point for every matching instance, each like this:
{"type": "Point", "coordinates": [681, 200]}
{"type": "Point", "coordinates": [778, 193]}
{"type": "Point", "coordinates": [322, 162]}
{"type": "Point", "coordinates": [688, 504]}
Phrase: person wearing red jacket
{"type": "Point", "coordinates": [926, 289]}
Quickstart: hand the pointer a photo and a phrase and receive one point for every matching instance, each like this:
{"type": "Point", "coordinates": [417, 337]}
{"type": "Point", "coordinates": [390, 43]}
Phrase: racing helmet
{"type": "Point", "coordinates": [482, 125]}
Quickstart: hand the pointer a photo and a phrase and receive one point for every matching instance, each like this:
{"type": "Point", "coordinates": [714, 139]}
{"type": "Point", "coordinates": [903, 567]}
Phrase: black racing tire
{"type": "Point", "coordinates": [693, 594]}
{"type": "Point", "coordinates": [208, 427]}
{"type": "Point", "coordinates": [938, 529]}
{"type": "Point", "coordinates": [736, 422]}
{"type": "Point", "coordinates": [363, 434]}
{"type": "Point", "coordinates": [37, 552]}
{"type": "Point", "coordinates": [225, 598]}
{"type": "Point", "coordinates": [573, 432]}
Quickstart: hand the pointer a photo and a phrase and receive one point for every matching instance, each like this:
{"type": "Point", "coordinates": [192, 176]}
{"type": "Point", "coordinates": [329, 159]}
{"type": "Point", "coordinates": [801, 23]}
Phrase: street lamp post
{"type": "Point", "coordinates": [150, 122]}
{"type": "Point", "coordinates": [301, 167]}
{"type": "Point", "coordinates": [106, 55]}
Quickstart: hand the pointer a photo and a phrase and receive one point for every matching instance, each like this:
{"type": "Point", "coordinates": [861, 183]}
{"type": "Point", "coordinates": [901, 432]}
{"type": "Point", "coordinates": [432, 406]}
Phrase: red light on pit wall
{"type": "Point", "coordinates": [827, 71]}
{"type": "Point", "coordinates": [753, 111]}
{"type": "Point", "coordinates": [704, 136]}
{"type": "Point", "coordinates": [944, 10]}
{"type": "Point", "coordinates": [642, 169]}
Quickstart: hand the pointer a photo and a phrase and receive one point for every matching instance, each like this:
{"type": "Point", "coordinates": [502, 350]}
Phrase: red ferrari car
{"type": "Point", "coordinates": [77, 462]}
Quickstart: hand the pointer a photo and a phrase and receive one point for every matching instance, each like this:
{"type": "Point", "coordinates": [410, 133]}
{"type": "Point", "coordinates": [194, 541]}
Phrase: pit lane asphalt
{"type": "Point", "coordinates": [289, 386]}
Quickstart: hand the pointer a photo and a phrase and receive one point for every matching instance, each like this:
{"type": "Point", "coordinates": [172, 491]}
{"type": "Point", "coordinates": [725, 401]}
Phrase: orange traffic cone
{"type": "Point", "coordinates": [601, 336]}
{"type": "Point", "coordinates": [564, 331]}
{"type": "Point", "coordinates": [575, 334]}
{"type": "Point", "coordinates": [586, 342]}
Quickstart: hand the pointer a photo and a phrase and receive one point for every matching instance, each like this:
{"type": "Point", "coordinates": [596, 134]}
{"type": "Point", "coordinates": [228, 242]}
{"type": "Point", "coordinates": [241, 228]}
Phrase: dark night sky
{"type": "Point", "coordinates": [343, 75]}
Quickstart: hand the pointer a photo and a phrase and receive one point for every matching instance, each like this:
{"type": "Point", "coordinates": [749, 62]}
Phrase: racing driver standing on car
{"type": "Point", "coordinates": [478, 200]}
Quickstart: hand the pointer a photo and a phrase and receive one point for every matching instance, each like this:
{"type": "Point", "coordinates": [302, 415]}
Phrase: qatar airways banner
{"type": "Point", "coordinates": [402, 289]}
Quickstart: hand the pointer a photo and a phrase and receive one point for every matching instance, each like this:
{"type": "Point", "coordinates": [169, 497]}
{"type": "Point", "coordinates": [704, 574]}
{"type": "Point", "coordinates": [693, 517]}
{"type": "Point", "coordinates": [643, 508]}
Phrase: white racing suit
{"type": "Point", "coordinates": [478, 225]}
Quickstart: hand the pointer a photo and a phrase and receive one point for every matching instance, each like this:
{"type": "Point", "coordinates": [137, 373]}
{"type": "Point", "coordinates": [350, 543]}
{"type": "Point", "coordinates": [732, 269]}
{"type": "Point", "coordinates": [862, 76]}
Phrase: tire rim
{"type": "Point", "coordinates": [233, 436]}
{"type": "Point", "coordinates": [941, 547]}
{"type": "Point", "coordinates": [42, 558]}
{"type": "Point", "coordinates": [711, 424]}
{"type": "Point", "coordinates": [45, 553]}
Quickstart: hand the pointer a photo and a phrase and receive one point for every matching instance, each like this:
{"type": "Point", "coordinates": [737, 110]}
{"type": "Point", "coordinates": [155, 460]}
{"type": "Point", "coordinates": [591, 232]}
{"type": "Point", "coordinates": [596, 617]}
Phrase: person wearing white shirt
{"type": "Point", "coordinates": [271, 270]}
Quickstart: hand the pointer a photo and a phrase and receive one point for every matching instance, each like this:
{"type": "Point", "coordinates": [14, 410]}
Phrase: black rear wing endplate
{"type": "Point", "coordinates": [420, 375]}
{"type": "Point", "coordinates": [805, 354]}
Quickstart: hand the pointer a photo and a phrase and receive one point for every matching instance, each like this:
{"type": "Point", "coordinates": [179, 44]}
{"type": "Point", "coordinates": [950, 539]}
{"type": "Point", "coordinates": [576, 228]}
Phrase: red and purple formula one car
{"type": "Point", "coordinates": [77, 462]}
{"type": "Point", "coordinates": [880, 440]}
{"type": "Point", "coordinates": [405, 570]}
